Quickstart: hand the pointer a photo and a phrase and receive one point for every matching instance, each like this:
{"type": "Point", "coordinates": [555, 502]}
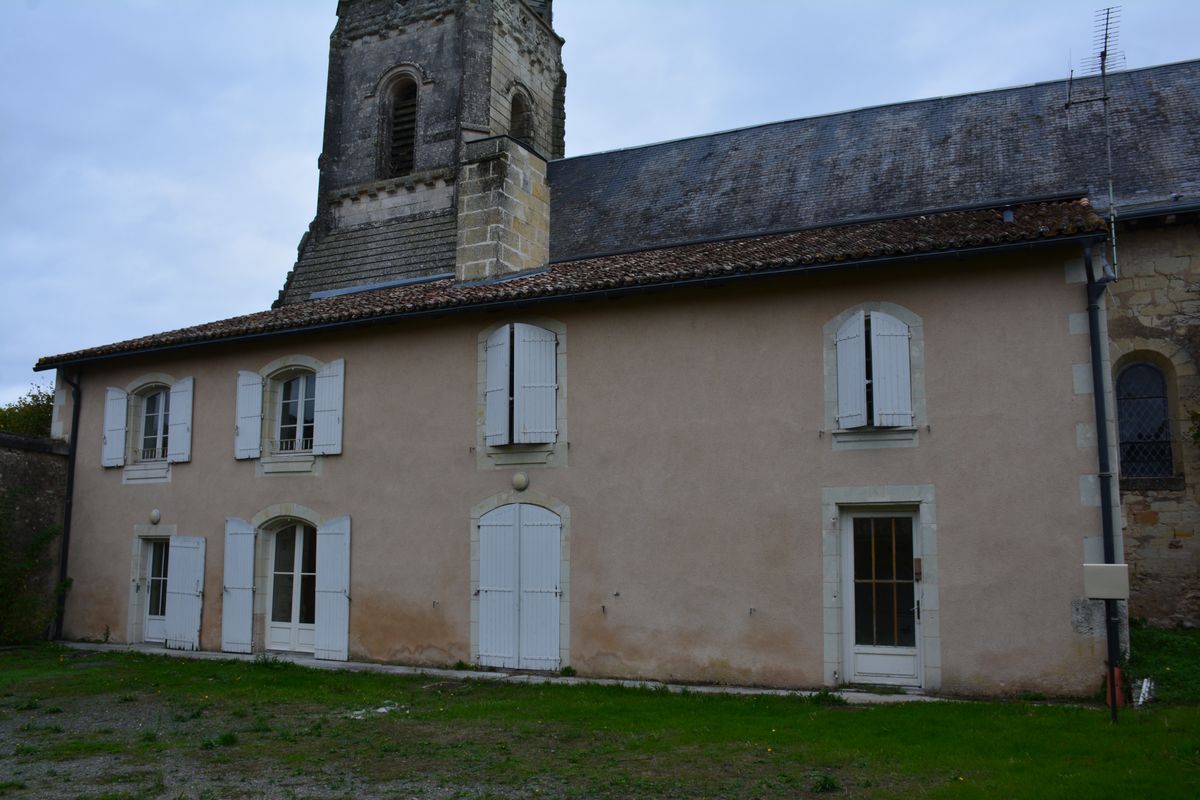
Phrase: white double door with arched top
{"type": "Point", "coordinates": [520, 550]}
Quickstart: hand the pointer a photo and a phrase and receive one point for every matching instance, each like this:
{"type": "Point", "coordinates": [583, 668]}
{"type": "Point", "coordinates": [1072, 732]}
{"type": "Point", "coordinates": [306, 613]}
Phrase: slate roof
{"type": "Point", "coordinates": [878, 241]}
{"type": "Point", "coordinates": [391, 250]}
{"type": "Point", "coordinates": [972, 149]}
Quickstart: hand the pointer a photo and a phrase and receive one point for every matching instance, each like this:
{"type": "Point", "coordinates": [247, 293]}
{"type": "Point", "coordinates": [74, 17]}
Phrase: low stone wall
{"type": "Point", "coordinates": [33, 478]}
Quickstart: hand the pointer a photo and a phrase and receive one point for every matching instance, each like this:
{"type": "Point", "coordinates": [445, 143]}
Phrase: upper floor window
{"type": "Point", "coordinates": [156, 414]}
{"type": "Point", "coordinates": [297, 411]}
{"type": "Point", "coordinates": [521, 119]}
{"type": "Point", "coordinates": [147, 427]}
{"type": "Point", "coordinates": [401, 127]}
{"type": "Point", "coordinates": [291, 410]}
{"type": "Point", "coordinates": [874, 377]}
{"type": "Point", "coordinates": [1143, 421]}
{"type": "Point", "coordinates": [520, 395]}
{"type": "Point", "coordinates": [874, 385]}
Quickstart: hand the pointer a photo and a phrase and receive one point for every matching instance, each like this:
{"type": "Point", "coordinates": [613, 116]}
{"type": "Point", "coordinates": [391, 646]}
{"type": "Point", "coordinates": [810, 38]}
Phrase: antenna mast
{"type": "Point", "coordinates": [1106, 56]}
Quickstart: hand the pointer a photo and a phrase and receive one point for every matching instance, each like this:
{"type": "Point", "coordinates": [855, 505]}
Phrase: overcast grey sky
{"type": "Point", "coordinates": [158, 157]}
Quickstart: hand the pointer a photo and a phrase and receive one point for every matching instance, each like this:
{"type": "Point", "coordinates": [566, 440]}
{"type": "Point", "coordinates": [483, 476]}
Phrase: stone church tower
{"type": "Point", "coordinates": [440, 117]}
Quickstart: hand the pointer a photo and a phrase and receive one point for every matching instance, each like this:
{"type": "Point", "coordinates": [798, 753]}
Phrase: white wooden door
{"type": "Point", "coordinates": [237, 602]}
{"type": "Point", "coordinates": [155, 553]}
{"type": "Point", "coordinates": [519, 587]}
{"type": "Point", "coordinates": [540, 591]}
{"type": "Point", "coordinates": [291, 624]}
{"type": "Point", "coordinates": [498, 586]}
{"type": "Point", "coordinates": [185, 592]}
{"type": "Point", "coordinates": [882, 598]}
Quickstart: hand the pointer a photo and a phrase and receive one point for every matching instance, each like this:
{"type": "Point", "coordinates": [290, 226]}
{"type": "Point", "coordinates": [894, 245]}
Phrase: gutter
{"type": "Point", "coordinates": [1087, 239]}
{"type": "Point", "coordinates": [1095, 293]}
{"type": "Point", "coordinates": [68, 502]}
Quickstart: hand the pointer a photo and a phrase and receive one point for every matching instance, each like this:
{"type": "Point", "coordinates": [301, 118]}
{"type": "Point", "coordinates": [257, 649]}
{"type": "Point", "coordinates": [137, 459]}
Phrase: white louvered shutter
{"type": "Point", "coordinates": [247, 433]}
{"type": "Point", "coordinates": [332, 635]}
{"type": "Point", "coordinates": [327, 414]}
{"type": "Point", "coordinates": [852, 373]}
{"type": "Point", "coordinates": [890, 380]}
{"type": "Point", "coordinates": [540, 546]}
{"type": "Point", "coordinates": [237, 599]}
{"type": "Point", "coordinates": [535, 410]}
{"type": "Point", "coordinates": [185, 592]}
{"type": "Point", "coordinates": [179, 432]}
{"type": "Point", "coordinates": [112, 448]}
{"type": "Point", "coordinates": [496, 387]}
{"type": "Point", "coordinates": [498, 582]}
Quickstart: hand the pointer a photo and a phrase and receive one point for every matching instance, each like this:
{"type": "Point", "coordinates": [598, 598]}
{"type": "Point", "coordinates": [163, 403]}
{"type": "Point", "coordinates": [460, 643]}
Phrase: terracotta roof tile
{"type": "Point", "coordinates": [822, 247]}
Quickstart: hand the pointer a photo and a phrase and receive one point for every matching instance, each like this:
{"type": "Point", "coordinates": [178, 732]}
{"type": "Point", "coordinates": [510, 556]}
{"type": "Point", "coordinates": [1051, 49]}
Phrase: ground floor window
{"type": "Point", "coordinates": [293, 588]}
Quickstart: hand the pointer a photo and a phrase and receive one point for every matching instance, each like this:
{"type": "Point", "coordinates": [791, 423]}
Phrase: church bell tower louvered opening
{"type": "Point", "coordinates": [420, 94]}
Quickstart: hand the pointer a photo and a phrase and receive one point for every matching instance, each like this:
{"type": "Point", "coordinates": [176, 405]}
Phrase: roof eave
{"type": "Point", "coordinates": [698, 281]}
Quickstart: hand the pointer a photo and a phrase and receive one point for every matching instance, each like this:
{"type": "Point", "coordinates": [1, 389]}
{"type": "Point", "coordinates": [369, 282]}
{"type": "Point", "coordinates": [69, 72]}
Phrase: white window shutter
{"type": "Point", "coordinates": [237, 601]}
{"type": "Point", "coordinates": [247, 433]}
{"type": "Point", "coordinates": [540, 545]}
{"type": "Point", "coordinates": [535, 375]}
{"type": "Point", "coordinates": [179, 433]}
{"type": "Point", "coordinates": [185, 592]}
{"type": "Point", "coordinates": [498, 583]}
{"type": "Point", "coordinates": [890, 379]}
{"type": "Point", "coordinates": [852, 373]}
{"type": "Point", "coordinates": [112, 448]}
{"type": "Point", "coordinates": [332, 634]}
{"type": "Point", "coordinates": [327, 415]}
{"type": "Point", "coordinates": [496, 387]}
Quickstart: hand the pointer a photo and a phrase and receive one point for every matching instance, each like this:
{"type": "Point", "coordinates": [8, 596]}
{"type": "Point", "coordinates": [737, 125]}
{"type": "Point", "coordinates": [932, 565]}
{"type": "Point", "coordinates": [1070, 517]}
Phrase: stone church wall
{"type": "Point", "coordinates": [1154, 317]}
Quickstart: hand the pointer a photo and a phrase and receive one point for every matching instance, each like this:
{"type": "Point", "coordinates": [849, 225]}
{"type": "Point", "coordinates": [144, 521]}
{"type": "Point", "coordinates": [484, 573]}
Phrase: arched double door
{"type": "Point", "coordinates": [520, 556]}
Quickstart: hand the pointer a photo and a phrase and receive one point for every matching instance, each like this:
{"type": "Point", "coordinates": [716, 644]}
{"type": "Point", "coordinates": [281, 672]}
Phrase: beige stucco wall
{"type": "Point", "coordinates": [696, 469]}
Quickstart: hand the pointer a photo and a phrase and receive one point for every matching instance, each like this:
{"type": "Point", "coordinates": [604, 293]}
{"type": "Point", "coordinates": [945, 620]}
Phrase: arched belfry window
{"type": "Point", "coordinates": [521, 119]}
{"type": "Point", "coordinates": [1144, 422]}
{"type": "Point", "coordinates": [401, 127]}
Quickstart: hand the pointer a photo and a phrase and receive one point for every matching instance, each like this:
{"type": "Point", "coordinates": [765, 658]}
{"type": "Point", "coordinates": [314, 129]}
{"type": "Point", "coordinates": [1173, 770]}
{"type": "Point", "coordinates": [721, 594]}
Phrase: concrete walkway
{"type": "Point", "coordinates": [857, 697]}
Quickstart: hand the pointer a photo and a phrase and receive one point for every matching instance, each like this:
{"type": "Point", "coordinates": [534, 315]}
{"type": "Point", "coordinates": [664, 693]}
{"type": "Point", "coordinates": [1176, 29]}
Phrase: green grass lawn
{"type": "Point", "coordinates": [102, 725]}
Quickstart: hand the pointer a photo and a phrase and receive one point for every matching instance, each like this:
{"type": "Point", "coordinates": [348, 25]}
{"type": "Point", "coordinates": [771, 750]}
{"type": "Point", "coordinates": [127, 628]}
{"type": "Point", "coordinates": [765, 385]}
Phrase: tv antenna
{"type": "Point", "coordinates": [1104, 58]}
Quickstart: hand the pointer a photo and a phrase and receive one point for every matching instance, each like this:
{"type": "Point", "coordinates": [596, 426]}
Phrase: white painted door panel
{"type": "Point", "coordinates": [185, 592]}
{"type": "Point", "coordinates": [540, 591]}
{"type": "Point", "coordinates": [498, 586]}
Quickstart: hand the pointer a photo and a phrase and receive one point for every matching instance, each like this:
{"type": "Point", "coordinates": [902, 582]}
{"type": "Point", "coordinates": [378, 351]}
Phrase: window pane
{"type": "Point", "coordinates": [152, 405]}
{"type": "Point", "coordinates": [904, 549]}
{"type": "Point", "coordinates": [281, 601]}
{"type": "Point", "coordinates": [885, 623]}
{"type": "Point", "coordinates": [907, 615]}
{"type": "Point", "coordinates": [158, 600]}
{"type": "Point", "coordinates": [864, 629]}
{"type": "Point", "coordinates": [1143, 423]}
{"type": "Point", "coordinates": [308, 599]}
{"type": "Point", "coordinates": [159, 560]}
{"type": "Point", "coordinates": [289, 390]}
{"type": "Point", "coordinates": [285, 550]}
{"type": "Point", "coordinates": [309, 562]}
{"type": "Point", "coordinates": [862, 549]}
{"type": "Point", "coordinates": [885, 565]}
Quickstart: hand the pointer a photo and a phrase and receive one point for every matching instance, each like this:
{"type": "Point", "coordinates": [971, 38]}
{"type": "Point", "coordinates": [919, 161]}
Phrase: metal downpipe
{"type": "Point", "coordinates": [1112, 632]}
{"type": "Point", "coordinates": [61, 589]}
